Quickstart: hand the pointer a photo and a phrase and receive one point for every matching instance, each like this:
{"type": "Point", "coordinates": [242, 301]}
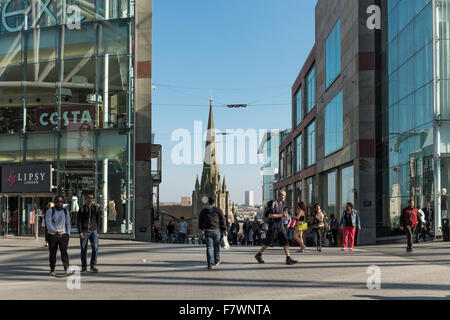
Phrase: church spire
{"type": "Point", "coordinates": [224, 185]}
{"type": "Point", "coordinates": [210, 174]}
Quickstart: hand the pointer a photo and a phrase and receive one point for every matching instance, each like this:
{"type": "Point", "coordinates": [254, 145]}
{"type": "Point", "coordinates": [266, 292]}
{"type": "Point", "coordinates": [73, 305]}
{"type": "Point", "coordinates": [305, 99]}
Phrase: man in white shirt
{"type": "Point", "coordinates": [58, 228]}
{"type": "Point", "coordinates": [421, 230]}
{"type": "Point", "coordinates": [183, 230]}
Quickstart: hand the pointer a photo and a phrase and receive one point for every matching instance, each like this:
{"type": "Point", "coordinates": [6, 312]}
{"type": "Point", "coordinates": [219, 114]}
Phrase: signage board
{"type": "Point", "coordinates": [27, 179]}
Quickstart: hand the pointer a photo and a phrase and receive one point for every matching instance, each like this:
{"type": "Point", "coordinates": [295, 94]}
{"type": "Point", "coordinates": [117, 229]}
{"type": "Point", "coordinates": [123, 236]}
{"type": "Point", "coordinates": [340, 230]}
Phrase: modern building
{"type": "Point", "coordinates": [414, 140]}
{"type": "Point", "coordinates": [268, 149]}
{"type": "Point", "coordinates": [211, 185]}
{"type": "Point", "coordinates": [371, 113]}
{"type": "Point", "coordinates": [75, 111]}
{"type": "Point", "coordinates": [330, 153]}
{"type": "Point", "coordinates": [249, 199]}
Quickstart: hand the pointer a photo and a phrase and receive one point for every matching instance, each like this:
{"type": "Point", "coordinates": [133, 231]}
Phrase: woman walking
{"type": "Point", "coordinates": [301, 224]}
{"type": "Point", "coordinates": [319, 224]}
{"type": "Point", "coordinates": [349, 222]}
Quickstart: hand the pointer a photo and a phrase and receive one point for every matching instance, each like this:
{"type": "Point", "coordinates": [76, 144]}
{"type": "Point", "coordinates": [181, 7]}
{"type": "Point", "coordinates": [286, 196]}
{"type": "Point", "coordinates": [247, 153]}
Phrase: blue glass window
{"type": "Point", "coordinates": [298, 107]}
{"type": "Point", "coordinates": [311, 90]}
{"type": "Point", "coordinates": [333, 54]}
{"type": "Point", "coordinates": [298, 150]}
{"type": "Point", "coordinates": [311, 144]}
{"type": "Point", "coordinates": [334, 125]}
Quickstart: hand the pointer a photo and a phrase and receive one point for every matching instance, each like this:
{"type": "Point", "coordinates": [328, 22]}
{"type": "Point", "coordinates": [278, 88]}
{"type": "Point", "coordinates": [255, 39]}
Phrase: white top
{"type": "Point", "coordinates": [75, 206]}
{"type": "Point", "coordinates": [183, 227]}
{"type": "Point", "coordinates": [421, 216]}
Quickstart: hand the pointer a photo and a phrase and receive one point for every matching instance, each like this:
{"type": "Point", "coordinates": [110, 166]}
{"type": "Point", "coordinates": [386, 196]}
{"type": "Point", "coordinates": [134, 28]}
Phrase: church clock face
{"type": "Point", "coordinates": [204, 199]}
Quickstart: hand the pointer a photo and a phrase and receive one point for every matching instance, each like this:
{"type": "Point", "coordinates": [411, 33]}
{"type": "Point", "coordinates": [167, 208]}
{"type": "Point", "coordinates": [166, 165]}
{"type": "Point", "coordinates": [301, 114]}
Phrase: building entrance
{"type": "Point", "coordinates": [21, 213]}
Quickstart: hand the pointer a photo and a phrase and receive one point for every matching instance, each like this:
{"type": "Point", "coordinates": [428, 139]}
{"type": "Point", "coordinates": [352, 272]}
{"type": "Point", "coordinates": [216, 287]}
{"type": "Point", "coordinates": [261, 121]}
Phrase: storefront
{"type": "Point", "coordinates": [68, 72]}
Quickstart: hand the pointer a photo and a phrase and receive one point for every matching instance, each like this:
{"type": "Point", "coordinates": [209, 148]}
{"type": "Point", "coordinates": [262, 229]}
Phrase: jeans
{"type": "Point", "coordinates": [257, 238]}
{"type": "Point", "coordinates": [335, 236]}
{"type": "Point", "coordinates": [349, 232]}
{"type": "Point", "coordinates": [213, 239]}
{"type": "Point", "coordinates": [172, 237]}
{"type": "Point", "coordinates": [246, 237]}
{"type": "Point", "coordinates": [182, 237]}
{"type": "Point", "coordinates": [92, 237]}
{"type": "Point", "coordinates": [319, 236]}
{"type": "Point", "coordinates": [62, 243]}
{"type": "Point", "coordinates": [409, 234]}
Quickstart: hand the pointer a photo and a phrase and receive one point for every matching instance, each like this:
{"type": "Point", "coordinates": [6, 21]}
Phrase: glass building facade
{"type": "Point", "coordinates": [67, 87]}
{"type": "Point", "coordinates": [415, 127]}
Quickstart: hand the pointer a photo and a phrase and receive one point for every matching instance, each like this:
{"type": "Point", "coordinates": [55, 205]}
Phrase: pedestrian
{"type": "Point", "coordinates": [256, 228]}
{"type": "Point", "coordinates": [182, 231]}
{"type": "Point", "coordinates": [291, 228]}
{"type": "Point", "coordinates": [429, 216]}
{"type": "Point", "coordinates": [247, 226]}
{"type": "Point", "coordinates": [301, 223]}
{"type": "Point", "coordinates": [319, 225]}
{"type": "Point", "coordinates": [334, 225]}
{"type": "Point", "coordinates": [350, 223]}
{"type": "Point", "coordinates": [57, 220]}
{"type": "Point", "coordinates": [88, 224]}
{"type": "Point", "coordinates": [44, 224]}
{"type": "Point", "coordinates": [421, 229]}
{"type": "Point", "coordinates": [171, 231]}
{"type": "Point", "coordinates": [234, 232]}
{"type": "Point", "coordinates": [212, 223]}
{"type": "Point", "coordinates": [408, 221]}
{"type": "Point", "coordinates": [277, 230]}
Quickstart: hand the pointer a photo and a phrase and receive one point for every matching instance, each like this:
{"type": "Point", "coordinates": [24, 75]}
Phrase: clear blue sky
{"type": "Point", "coordinates": [213, 47]}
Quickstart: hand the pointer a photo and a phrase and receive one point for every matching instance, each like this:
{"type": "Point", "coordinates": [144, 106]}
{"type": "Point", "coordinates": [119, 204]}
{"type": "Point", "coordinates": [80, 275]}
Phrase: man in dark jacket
{"type": "Point", "coordinates": [256, 228]}
{"type": "Point", "coordinates": [88, 224]}
{"type": "Point", "coordinates": [212, 222]}
{"type": "Point", "coordinates": [408, 221]}
{"type": "Point", "coordinates": [429, 216]}
{"type": "Point", "coordinates": [234, 232]}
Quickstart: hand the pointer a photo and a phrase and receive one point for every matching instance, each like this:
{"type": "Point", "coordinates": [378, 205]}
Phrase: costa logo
{"type": "Point", "coordinates": [72, 118]}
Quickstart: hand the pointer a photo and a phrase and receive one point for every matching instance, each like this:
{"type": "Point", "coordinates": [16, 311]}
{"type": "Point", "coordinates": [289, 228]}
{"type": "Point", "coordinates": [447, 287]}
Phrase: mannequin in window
{"type": "Point", "coordinates": [444, 203]}
{"type": "Point", "coordinates": [112, 213]}
{"type": "Point", "coordinates": [74, 207]}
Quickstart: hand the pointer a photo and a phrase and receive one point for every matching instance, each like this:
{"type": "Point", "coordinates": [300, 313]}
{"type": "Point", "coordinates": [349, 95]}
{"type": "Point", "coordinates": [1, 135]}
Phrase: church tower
{"type": "Point", "coordinates": [210, 181]}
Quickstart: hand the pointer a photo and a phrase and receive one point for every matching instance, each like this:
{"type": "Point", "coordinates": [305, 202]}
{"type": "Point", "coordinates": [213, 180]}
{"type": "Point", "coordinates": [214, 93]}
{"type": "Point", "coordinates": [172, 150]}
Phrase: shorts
{"type": "Point", "coordinates": [277, 233]}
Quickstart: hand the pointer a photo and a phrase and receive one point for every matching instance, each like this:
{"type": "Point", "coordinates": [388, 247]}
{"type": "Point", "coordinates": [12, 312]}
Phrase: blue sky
{"type": "Point", "coordinates": [238, 51]}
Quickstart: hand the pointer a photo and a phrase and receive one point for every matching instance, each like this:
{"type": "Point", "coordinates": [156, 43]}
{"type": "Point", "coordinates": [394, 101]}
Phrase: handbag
{"type": "Point", "coordinates": [301, 226]}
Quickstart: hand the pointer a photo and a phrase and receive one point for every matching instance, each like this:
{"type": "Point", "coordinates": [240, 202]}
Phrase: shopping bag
{"type": "Point", "coordinates": [301, 227]}
{"type": "Point", "coordinates": [225, 244]}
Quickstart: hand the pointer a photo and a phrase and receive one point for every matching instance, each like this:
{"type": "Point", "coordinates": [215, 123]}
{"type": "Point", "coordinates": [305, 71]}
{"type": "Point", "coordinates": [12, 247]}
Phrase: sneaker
{"type": "Point", "coordinates": [218, 263]}
{"type": "Point", "coordinates": [69, 272]}
{"type": "Point", "coordinates": [210, 267]}
{"type": "Point", "coordinates": [84, 270]}
{"type": "Point", "coordinates": [290, 261]}
{"type": "Point", "coordinates": [343, 249]}
{"type": "Point", "coordinates": [52, 273]}
{"type": "Point", "coordinates": [94, 269]}
{"type": "Point", "coordinates": [259, 258]}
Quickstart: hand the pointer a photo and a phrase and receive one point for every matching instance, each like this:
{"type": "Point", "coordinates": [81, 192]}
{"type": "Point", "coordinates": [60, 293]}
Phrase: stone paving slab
{"type": "Point", "coordinates": [136, 270]}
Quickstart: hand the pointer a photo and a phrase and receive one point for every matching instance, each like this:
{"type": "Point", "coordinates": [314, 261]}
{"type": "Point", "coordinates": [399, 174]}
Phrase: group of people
{"type": "Point", "coordinates": [182, 231]}
{"type": "Point", "coordinates": [57, 233]}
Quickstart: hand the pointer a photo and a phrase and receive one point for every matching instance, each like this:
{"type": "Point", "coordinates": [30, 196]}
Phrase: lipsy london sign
{"type": "Point", "coordinates": [27, 178]}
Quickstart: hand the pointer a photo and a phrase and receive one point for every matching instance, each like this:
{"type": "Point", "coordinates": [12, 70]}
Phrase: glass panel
{"type": "Point", "coordinates": [333, 54]}
{"type": "Point", "coordinates": [298, 107]}
{"type": "Point", "coordinates": [311, 90]}
{"type": "Point", "coordinates": [299, 166]}
{"type": "Point", "coordinates": [334, 125]}
{"type": "Point", "coordinates": [311, 144]}
{"type": "Point", "coordinates": [347, 187]}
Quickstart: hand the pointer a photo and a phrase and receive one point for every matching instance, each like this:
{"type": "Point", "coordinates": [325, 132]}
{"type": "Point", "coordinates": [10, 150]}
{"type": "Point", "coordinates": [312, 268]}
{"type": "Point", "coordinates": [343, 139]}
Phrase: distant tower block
{"type": "Point", "coordinates": [249, 199]}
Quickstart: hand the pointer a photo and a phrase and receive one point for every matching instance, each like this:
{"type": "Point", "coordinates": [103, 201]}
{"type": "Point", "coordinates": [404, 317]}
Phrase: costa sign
{"type": "Point", "coordinates": [72, 118]}
{"type": "Point", "coordinates": [33, 14]}
{"type": "Point", "coordinates": [27, 178]}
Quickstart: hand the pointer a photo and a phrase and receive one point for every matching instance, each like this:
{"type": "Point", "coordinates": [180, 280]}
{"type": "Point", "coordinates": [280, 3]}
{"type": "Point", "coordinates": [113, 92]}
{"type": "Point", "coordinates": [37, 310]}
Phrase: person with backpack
{"type": "Point", "coordinates": [57, 220]}
{"type": "Point", "coordinates": [212, 223]}
{"type": "Point", "coordinates": [88, 224]}
{"type": "Point", "coordinates": [276, 229]}
{"type": "Point", "coordinates": [350, 223]}
{"type": "Point", "coordinates": [408, 221]}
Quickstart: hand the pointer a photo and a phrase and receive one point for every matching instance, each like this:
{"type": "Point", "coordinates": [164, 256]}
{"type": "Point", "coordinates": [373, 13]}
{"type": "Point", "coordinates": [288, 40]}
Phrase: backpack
{"type": "Point", "coordinates": [268, 211]}
{"type": "Point", "coordinates": [53, 214]}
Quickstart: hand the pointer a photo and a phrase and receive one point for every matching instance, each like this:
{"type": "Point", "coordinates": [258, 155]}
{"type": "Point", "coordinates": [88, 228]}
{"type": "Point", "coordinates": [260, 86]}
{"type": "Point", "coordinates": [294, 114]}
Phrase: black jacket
{"type": "Point", "coordinates": [212, 218]}
{"type": "Point", "coordinates": [86, 222]}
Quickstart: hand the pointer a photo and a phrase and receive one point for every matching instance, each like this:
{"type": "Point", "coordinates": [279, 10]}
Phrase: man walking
{"type": "Point", "coordinates": [57, 220]}
{"type": "Point", "coordinates": [429, 216]}
{"type": "Point", "coordinates": [212, 222]}
{"type": "Point", "coordinates": [421, 230]}
{"type": "Point", "coordinates": [234, 232]}
{"type": "Point", "coordinates": [277, 230]}
{"type": "Point", "coordinates": [256, 227]}
{"type": "Point", "coordinates": [88, 223]}
{"type": "Point", "coordinates": [247, 227]}
{"type": "Point", "coordinates": [408, 221]}
{"type": "Point", "coordinates": [182, 231]}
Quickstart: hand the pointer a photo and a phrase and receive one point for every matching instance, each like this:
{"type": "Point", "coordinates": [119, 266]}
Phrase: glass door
{"type": "Point", "coordinates": [27, 216]}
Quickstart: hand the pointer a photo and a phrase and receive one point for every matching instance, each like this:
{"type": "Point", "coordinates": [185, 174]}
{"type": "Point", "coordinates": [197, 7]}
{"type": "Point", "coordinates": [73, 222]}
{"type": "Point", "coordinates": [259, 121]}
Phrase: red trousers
{"type": "Point", "coordinates": [349, 232]}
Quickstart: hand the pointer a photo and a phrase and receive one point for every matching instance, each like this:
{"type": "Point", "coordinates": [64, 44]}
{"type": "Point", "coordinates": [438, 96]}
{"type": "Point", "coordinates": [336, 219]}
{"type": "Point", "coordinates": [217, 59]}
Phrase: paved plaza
{"type": "Point", "coordinates": [136, 270]}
